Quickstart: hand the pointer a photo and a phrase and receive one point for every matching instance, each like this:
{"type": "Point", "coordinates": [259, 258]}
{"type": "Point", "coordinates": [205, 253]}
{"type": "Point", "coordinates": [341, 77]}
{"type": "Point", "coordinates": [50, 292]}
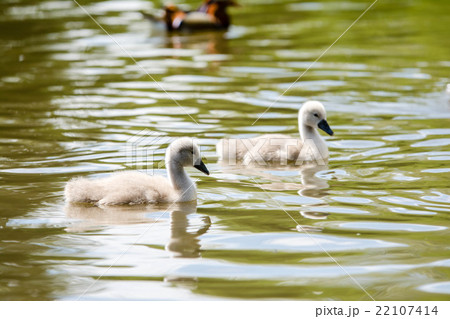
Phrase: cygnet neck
{"type": "Point", "coordinates": [178, 177]}
{"type": "Point", "coordinates": [310, 133]}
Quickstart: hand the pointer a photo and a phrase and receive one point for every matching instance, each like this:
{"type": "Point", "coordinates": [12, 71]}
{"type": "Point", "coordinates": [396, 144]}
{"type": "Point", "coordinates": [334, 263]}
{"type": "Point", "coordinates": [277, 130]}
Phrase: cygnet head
{"type": "Point", "coordinates": [185, 152]}
{"type": "Point", "coordinates": [313, 114]}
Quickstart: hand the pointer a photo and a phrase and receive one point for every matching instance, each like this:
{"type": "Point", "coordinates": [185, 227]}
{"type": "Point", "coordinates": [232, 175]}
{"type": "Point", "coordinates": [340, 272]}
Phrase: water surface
{"type": "Point", "coordinates": [376, 217]}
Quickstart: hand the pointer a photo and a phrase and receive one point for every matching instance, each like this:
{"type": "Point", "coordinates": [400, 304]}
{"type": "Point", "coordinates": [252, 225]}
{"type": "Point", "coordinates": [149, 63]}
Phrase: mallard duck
{"type": "Point", "coordinates": [211, 15]}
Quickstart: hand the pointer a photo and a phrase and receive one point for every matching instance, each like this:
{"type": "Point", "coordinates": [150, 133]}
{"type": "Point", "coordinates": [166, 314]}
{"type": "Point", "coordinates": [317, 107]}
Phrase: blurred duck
{"type": "Point", "coordinates": [134, 188]}
{"type": "Point", "coordinates": [283, 149]}
{"type": "Point", "coordinates": [211, 15]}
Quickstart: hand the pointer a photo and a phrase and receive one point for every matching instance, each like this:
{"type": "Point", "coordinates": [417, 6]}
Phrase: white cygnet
{"type": "Point", "coordinates": [133, 188]}
{"type": "Point", "coordinates": [279, 148]}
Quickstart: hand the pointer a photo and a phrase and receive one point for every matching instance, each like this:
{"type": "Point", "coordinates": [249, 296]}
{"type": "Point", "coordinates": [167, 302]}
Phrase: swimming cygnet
{"type": "Point", "coordinates": [283, 149]}
{"type": "Point", "coordinates": [138, 188]}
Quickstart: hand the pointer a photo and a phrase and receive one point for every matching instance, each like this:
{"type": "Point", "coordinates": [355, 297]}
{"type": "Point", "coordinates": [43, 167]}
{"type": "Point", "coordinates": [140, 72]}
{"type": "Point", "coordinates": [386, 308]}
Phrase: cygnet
{"type": "Point", "coordinates": [132, 188]}
{"type": "Point", "coordinates": [283, 149]}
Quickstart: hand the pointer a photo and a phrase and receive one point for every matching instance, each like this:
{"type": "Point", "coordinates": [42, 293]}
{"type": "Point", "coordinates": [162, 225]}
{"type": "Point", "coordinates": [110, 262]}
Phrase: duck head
{"type": "Point", "coordinates": [172, 12]}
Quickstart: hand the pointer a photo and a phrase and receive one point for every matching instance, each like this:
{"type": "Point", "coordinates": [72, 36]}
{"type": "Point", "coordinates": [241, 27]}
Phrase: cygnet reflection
{"type": "Point", "coordinates": [303, 178]}
{"type": "Point", "coordinates": [183, 241]}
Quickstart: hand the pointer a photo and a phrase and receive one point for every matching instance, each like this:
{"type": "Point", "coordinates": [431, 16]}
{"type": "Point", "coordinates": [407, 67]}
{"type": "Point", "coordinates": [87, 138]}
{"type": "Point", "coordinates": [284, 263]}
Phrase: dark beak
{"type": "Point", "coordinates": [323, 125]}
{"type": "Point", "coordinates": [202, 168]}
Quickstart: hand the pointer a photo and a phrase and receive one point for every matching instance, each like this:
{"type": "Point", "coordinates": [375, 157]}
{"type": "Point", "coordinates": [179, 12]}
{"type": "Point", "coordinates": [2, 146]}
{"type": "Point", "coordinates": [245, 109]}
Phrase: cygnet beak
{"type": "Point", "coordinates": [202, 167]}
{"type": "Point", "coordinates": [323, 125]}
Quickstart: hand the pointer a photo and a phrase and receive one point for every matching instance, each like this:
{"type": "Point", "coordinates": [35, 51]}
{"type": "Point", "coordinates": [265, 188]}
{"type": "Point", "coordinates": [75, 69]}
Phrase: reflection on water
{"type": "Point", "coordinates": [275, 174]}
{"type": "Point", "coordinates": [93, 217]}
{"type": "Point", "coordinates": [71, 98]}
{"type": "Point", "coordinates": [183, 241]}
{"type": "Point", "coordinates": [314, 186]}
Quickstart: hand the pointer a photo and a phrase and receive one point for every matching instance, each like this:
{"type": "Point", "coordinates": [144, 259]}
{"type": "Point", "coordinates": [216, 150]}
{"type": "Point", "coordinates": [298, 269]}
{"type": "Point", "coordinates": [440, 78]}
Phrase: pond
{"type": "Point", "coordinates": [372, 224]}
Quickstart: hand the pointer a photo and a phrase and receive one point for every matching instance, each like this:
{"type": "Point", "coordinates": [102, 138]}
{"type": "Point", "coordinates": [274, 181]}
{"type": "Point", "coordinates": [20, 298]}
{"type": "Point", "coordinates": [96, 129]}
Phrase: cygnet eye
{"type": "Point", "coordinates": [316, 115]}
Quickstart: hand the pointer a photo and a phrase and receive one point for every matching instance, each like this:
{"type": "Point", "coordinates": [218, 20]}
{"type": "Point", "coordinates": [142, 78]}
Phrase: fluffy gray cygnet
{"type": "Point", "coordinates": [279, 148]}
{"type": "Point", "coordinates": [132, 188]}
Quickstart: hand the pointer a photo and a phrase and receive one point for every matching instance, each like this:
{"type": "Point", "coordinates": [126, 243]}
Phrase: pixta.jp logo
{"type": "Point", "coordinates": [145, 151]}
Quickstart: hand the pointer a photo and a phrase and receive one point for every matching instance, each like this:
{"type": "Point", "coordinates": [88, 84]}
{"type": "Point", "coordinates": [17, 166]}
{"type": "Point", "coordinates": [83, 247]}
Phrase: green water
{"type": "Point", "coordinates": [375, 219]}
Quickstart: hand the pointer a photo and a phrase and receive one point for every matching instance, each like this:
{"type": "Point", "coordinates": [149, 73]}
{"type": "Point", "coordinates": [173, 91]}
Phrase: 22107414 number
{"type": "Point", "coordinates": [406, 310]}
